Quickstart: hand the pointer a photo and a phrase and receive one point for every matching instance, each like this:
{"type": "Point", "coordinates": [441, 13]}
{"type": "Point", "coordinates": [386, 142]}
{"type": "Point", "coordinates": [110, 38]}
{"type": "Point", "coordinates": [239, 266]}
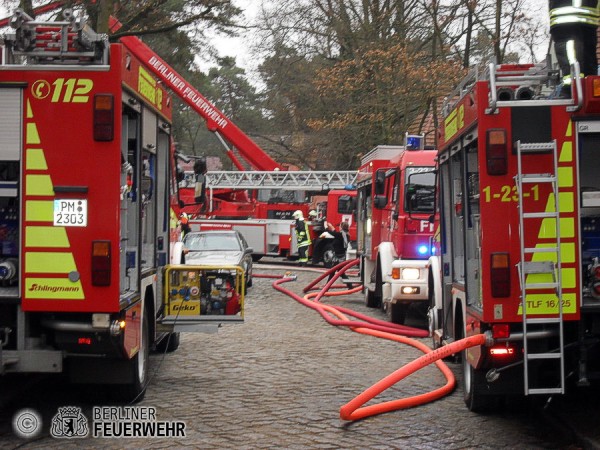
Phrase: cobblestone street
{"type": "Point", "coordinates": [278, 381]}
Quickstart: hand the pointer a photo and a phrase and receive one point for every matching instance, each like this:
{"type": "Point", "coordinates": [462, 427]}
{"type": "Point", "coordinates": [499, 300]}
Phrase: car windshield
{"type": "Point", "coordinates": [210, 242]}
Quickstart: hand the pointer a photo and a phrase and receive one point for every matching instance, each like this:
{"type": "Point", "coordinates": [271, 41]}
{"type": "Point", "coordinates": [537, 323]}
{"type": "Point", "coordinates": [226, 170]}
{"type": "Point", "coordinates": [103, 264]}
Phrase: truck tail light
{"type": "Point", "coordinates": [496, 152]}
{"type": "Point", "coordinates": [501, 351]}
{"type": "Point", "coordinates": [104, 117]}
{"type": "Point", "coordinates": [500, 274]}
{"type": "Point", "coordinates": [596, 87]}
{"type": "Point", "coordinates": [101, 263]}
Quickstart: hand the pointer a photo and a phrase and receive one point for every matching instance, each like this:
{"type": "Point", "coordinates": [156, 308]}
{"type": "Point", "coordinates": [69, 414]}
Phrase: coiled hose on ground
{"type": "Point", "coordinates": [338, 316]}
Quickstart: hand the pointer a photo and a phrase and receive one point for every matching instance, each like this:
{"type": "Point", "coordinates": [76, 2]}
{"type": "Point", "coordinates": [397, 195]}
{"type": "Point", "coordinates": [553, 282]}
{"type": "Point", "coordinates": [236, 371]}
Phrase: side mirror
{"type": "Point", "coordinates": [380, 201]}
{"type": "Point", "coordinates": [379, 182]}
{"type": "Point", "coordinates": [249, 250]}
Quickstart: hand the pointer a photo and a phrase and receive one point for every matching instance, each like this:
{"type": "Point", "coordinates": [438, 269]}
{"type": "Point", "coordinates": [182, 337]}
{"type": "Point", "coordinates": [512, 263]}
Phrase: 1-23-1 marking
{"type": "Point", "coordinates": [509, 193]}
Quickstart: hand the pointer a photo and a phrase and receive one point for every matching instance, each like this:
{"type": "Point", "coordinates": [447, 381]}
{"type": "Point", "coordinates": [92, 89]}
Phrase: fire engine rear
{"type": "Point", "coordinates": [86, 180]}
{"type": "Point", "coordinates": [519, 234]}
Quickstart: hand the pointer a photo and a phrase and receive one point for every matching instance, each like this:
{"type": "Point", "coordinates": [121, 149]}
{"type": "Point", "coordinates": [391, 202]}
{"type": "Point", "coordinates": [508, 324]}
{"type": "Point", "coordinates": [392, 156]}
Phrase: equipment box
{"type": "Point", "coordinates": [201, 298]}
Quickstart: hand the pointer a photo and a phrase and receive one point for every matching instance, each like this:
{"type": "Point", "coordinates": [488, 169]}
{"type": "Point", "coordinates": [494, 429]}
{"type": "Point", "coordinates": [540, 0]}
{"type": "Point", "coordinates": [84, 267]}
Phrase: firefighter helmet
{"type": "Point", "coordinates": [312, 213]}
{"type": "Point", "coordinates": [298, 214]}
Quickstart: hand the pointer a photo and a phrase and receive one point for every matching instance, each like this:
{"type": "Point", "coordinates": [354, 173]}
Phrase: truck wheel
{"type": "Point", "coordinates": [398, 312]}
{"type": "Point", "coordinates": [170, 343]}
{"type": "Point", "coordinates": [476, 399]}
{"type": "Point", "coordinates": [433, 318]}
{"type": "Point", "coordinates": [373, 298]}
{"type": "Point", "coordinates": [135, 391]}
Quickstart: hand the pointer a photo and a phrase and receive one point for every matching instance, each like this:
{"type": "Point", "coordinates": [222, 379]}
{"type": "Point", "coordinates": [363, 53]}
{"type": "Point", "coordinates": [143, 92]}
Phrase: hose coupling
{"type": "Point", "coordinates": [489, 339]}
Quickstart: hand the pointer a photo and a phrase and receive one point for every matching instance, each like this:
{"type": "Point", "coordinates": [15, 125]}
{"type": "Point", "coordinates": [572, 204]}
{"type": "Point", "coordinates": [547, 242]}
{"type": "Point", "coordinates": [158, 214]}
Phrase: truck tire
{"type": "Point", "coordinates": [474, 387]}
{"type": "Point", "coordinates": [373, 298]}
{"type": "Point", "coordinates": [135, 390]}
{"type": "Point", "coordinates": [170, 343]}
{"type": "Point", "coordinates": [371, 301]}
{"type": "Point", "coordinates": [433, 318]}
{"type": "Point", "coordinates": [398, 312]}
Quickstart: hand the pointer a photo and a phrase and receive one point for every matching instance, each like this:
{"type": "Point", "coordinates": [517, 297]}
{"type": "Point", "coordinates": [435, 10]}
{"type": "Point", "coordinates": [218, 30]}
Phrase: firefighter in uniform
{"type": "Point", "coordinates": [185, 225]}
{"type": "Point", "coordinates": [573, 27]}
{"type": "Point", "coordinates": [302, 237]}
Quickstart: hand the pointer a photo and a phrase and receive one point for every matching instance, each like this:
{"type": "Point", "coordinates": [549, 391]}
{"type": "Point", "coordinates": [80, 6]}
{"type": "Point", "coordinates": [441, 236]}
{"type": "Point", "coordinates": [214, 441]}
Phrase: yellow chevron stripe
{"type": "Point", "coordinates": [39, 185]}
{"type": "Point", "coordinates": [565, 177]}
{"type": "Point", "coordinates": [32, 136]}
{"type": "Point", "coordinates": [548, 228]}
{"type": "Point", "coordinates": [567, 252]}
{"type": "Point", "coordinates": [51, 237]}
{"type": "Point", "coordinates": [566, 153]}
{"type": "Point", "coordinates": [36, 159]}
{"type": "Point", "coordinates": [49, 262]}
{"type": "Point", "coordinates": [39, 211]}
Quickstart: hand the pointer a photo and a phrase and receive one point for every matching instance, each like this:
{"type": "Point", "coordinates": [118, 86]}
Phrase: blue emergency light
{"type": "Point", "coordinates": [423, 249]}
{"type": "Point", "coordinates": [414, 142]}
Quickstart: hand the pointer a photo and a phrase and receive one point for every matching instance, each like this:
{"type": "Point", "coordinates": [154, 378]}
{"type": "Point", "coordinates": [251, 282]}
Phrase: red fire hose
{"type": "Point", "coordinates": [354, 410]}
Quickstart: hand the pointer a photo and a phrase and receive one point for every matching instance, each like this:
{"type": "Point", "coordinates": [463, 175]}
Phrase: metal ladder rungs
{"type": "Point", "coordinates": [538, 267]}
{"type": "Point", "coordinates": [540, 215]}
{"type": "Point", "coordinates": [553, 324]}
{"type": "Point", "coordinates": [539, 356]}
{"type": "Point", "coordinates": [547, 391]}
{"type": "Point", "coordinates": [542, 320]}
{"type": "Point", "coordinates": [541, 285]}
{"type": "Point", "coordinates": [540, 249]}
{"type": "Point", "coordinates": [534, 147]}
{"type": "Point", "coordinates": [538, 178]}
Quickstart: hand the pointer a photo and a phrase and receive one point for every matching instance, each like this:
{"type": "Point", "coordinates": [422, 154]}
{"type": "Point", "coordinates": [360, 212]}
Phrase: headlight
{"type": "Point", "coordinates": [410, 274]}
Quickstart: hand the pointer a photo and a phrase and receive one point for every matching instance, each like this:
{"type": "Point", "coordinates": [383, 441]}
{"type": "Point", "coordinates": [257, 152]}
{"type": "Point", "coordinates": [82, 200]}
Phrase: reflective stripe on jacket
{"type": "Point", "coordinates": [302, 233]}
{"type": "Point", "coordinates": [571, 12]}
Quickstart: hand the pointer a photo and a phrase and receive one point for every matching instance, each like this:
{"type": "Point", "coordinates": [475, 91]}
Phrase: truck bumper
{"type": "Point", "coordinates": [19, 361]}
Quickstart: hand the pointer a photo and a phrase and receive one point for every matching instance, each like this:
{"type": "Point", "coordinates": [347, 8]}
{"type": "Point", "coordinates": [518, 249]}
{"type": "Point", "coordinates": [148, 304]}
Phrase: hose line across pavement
{"type": "Point", "coordinates": [361, 323]}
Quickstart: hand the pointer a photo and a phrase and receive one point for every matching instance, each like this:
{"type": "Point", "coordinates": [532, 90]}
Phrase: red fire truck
{"type": "Point", "coordinates": [86, 232]}
{"type": "Point", "coordinates": [395, 204]}
{"type": "Point", "coordinates": [519, 233]}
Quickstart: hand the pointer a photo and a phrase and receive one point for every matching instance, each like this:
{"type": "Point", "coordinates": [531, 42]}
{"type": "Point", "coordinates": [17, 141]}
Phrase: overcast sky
{"type": "Point", "coordinates": [239, 47]}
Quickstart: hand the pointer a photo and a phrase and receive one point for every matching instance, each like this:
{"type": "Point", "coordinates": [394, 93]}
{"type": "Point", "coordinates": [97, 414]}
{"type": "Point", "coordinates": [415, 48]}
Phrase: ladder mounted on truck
{"type": "Point", "coordinates": [289, 180]}
{"type": "Point", "coordinates": [520, 85]}
{"type": "Point", "coordinates": [540, 271]}
{"type": "Point", "coordinates": [69, 41]}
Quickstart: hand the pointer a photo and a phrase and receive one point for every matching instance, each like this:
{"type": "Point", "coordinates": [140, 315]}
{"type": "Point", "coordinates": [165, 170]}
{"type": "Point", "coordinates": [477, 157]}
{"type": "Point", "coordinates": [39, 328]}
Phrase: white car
{"type": "Point", "coordinates": [219, 248]}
